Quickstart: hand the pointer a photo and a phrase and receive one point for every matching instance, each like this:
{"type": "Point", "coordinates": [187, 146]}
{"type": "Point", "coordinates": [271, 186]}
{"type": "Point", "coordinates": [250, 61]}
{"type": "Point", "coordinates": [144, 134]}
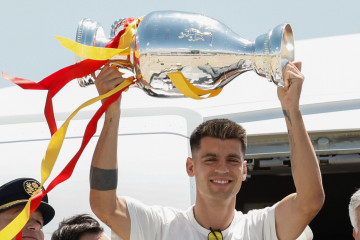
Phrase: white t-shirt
{"type": "Point", "coordinates": [165, 223]}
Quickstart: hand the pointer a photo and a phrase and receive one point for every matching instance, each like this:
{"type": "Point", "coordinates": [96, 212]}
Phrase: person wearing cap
{"type": "Point", "coordinates": [13, 197]}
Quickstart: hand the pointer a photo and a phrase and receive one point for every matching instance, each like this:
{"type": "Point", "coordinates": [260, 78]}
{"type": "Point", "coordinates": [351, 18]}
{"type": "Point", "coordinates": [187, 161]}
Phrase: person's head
{"type": "Point", "coordinates": [354, 212]}
{"type": "Point", "coordinates": [13, 197]}
{"type": "Point", "coordinates": [79, 227]}
{"type": "Point", "coordinates": [218, 148]}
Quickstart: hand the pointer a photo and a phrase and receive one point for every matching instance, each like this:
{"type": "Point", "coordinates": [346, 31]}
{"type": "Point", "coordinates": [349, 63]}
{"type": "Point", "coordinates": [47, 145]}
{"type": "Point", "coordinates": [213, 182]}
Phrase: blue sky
{"type": "Point", "coordinates": [28, 48]}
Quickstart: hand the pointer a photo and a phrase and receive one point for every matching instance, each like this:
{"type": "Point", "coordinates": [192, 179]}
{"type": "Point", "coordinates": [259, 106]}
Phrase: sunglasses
{"type": "Point", "coordinates": [215, 235]}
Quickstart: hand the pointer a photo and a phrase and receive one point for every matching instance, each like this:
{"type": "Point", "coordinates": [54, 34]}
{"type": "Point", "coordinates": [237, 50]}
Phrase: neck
{"type": "Point", "coordinates": [214, 214]}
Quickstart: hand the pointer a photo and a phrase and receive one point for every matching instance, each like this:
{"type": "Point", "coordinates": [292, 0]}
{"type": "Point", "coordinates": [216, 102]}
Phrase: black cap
{"type": "Point", "coordinates": [18, 192]}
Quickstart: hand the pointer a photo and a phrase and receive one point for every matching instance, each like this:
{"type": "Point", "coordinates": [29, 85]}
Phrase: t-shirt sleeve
{"type": "Point", "coordinates": [263, 219]}
{"type": "Point", "coordinates": [145, 220]}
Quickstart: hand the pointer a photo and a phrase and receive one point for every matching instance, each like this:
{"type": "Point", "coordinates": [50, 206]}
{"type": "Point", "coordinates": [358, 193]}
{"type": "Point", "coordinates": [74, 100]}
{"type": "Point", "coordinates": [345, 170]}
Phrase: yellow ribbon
{"type": "Point", "coordinates": [57, 139]}
{"type": "Point", "coordinates": [128, 36]}
{"type": "Point", "coordinates": [49, 160]}
{"type": "Point", "coordinates": [101, 53]}
{"type": "Point", "coordinates": [10, 231]}
{"type": "Point", "coordinates": [188, 89]}
{"type": "Point", "coordinates": [96, 53]}
{"type": "Point", "coordinates": [54, 147]}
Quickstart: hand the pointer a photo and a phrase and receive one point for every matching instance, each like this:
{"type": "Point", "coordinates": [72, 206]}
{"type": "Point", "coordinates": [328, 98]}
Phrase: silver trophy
{"type": "Point", "coordinates": [204, 50]}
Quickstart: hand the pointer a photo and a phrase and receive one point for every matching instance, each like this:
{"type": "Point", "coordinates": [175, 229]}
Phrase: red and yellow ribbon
{"type": "Point", "coordinates": [97, 57]}
{"type": "Point", "coordinates": [54, 84]}
{"type": "Point", "coordinates": [52, 153]}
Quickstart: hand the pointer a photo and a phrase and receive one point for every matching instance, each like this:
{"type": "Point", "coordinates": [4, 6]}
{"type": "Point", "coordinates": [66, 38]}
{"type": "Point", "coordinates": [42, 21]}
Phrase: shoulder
{"type": "Point", "coordinates": [155, 222]}
{"type": "Point", "coordinates": [263, 212]}
{"type": "Point", "coordinates": [167, 214]}
{"type": "Point", "coordinates": [256, 216]}
{"type": "Point", "coordinates": [256, 224]}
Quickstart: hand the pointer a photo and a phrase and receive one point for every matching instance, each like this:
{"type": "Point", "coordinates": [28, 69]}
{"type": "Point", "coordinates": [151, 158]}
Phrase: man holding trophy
{"type": "Point", "coordinates": [218, 165]}
{"type": "Point", "coordinates": [192, 48]}
{"type": "Point", "coordinates": [176, 54]}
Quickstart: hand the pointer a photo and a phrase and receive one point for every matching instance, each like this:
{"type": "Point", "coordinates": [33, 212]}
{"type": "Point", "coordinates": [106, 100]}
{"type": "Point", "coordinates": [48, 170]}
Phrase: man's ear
{"type": "Point", "coordinates": [190, 167]}
{"type": "Point", "coordinates": [354, 233]}
{"type": "Point", "coordinates": [244, 170]}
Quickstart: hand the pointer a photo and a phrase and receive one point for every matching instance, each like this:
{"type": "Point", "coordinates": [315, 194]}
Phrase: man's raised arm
{"type": "Point", "coordinates": [103, 174]}
{"type": "Point", "coordinates": [296, 211]}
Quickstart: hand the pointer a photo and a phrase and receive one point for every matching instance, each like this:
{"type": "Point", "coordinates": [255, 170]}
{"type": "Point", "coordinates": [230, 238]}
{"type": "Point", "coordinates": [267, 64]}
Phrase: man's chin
{"type": "Point", "coordinates": [222, 196]}
{"type": "Point", "coordinates": [31, 237]}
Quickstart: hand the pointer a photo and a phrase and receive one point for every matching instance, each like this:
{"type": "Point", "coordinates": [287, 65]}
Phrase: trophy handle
{"type": "Point", "coordinates": [116, 27]}
{"type": "Point", "coordinates": [276, 49]}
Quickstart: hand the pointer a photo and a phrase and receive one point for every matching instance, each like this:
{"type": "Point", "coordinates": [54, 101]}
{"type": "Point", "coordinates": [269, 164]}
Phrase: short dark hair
{"type": "Point", "coordinates": [74, 227]}
{"type": "Point", "coordinates": [218, 128]}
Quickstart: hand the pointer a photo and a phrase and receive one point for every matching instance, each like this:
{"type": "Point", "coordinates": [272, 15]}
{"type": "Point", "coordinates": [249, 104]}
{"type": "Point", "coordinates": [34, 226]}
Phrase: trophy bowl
{"type": "Point", "coordinates": [207, 53]}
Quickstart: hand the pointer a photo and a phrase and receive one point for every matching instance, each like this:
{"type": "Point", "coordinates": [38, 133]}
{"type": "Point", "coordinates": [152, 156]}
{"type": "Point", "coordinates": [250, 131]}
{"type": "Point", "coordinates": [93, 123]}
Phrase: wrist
{"type": "Point", "coordinates": [290, 107]}
{"type": "Point", "coordinates": [113, 111]}
{"type": "Point", "coordinates": [293, 110]}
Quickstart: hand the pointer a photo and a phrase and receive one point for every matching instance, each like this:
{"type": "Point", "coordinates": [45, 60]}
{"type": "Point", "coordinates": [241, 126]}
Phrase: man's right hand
{"type": "Point", "coordinates": [108, 79]}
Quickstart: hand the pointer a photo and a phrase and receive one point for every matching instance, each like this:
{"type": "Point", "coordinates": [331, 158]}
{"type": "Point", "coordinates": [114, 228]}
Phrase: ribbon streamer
{"type": "Point", "coordinates": [120, 45]}
{"type": "Point", "coordinates": [97, 53]}
{"type": "Point", "coordinates": [54, 83]}
{"type": "Point", "coordinates": [188, 89]}
{"type": "Point", "coordinates": [52, 153]}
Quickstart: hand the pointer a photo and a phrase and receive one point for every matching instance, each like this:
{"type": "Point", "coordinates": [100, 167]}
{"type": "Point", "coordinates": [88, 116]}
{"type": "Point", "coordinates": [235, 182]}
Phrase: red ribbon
{"type": "Point", "coordinates": [69, 168]}
{"type": "Point", "coordinates": [54, 83]}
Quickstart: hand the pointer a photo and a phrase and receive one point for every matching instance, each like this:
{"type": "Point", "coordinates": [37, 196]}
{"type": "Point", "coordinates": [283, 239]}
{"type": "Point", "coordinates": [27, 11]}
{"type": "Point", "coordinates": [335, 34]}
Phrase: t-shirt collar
{"type": "Point", "coordinates": [201, 229]}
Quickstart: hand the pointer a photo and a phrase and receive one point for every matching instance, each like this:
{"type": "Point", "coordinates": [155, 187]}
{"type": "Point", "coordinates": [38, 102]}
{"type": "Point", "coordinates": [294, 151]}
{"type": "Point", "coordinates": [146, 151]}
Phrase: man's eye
{"type": "Point", "coordinates": [40, 222]}
{"type": "Point", "coordinates": [210, 160]}
{"type": "Point", "coordinates": [234, 160]}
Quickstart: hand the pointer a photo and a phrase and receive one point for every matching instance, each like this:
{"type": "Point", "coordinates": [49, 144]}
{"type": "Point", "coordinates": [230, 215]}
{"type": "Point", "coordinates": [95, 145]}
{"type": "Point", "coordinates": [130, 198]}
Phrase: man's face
{"type": "Point", "coordinates": [94, 236]}
{"type": "Point", "coordinates": [32, 229]}
{"type": "Point", "coordinates": [219, 168]}
{"type": "Point", "coordinates": [357, 235]}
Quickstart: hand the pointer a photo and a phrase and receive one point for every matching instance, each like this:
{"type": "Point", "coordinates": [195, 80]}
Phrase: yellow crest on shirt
{"type": "Point", "coordinates": [215, 235]}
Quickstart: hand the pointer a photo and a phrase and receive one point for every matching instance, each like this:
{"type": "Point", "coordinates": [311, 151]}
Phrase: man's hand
{"type": "Point", "coordinates": [108, 79]}
{"type": "Point", "coordinates": [289, 96]}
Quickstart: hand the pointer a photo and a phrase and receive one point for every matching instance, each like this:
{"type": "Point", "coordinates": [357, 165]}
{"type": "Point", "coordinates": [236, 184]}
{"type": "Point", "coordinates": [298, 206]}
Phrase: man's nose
{"type": "Point", "coordinates": [222, 167]}
{"type": "Point", "coordinates": [33, 225]}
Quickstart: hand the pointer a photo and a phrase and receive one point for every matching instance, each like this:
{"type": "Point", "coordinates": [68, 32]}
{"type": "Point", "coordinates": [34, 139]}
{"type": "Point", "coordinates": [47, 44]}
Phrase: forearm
{"type": "Point", "coordinates": [304, 164]}
{"type": "Point", "coordinates": [103, 173]}
{"type": "Point", "coordinates": [105, 154]}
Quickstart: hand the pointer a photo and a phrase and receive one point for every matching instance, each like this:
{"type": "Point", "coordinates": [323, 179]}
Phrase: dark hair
{"type": "Point", "coordinates": [74, 227]}
{"type": "Point", "coordinates": [218, 128]}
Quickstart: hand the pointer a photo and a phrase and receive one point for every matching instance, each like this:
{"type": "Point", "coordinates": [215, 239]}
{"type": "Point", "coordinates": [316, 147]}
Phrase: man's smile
{"type": "Point", "coordinates": [221, 181]}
